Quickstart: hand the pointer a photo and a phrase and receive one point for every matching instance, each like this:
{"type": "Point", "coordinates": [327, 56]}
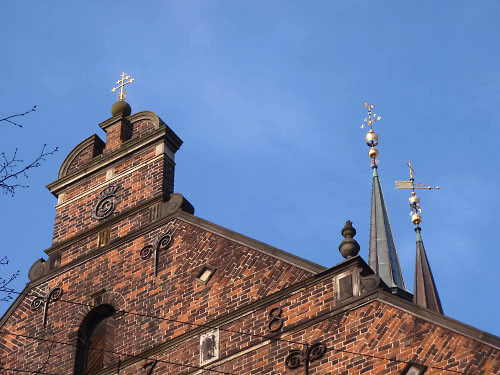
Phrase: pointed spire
{"type": "Point", "coordinates": [425, 293]}
{"type": "Point", "coordinates": [383, 257]}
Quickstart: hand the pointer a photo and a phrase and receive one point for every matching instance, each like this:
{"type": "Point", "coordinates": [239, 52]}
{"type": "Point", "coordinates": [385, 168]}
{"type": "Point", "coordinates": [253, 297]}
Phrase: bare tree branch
{"type": "Point", "coordinates": [12, 168]}
{"type": "Point", "coordinates": [7, 119]}
{"type": "Point", "coordinates": [4, 283]}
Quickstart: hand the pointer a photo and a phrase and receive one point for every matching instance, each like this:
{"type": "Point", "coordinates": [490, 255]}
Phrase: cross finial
{"type": "Point", "coordinates": [121, 83]}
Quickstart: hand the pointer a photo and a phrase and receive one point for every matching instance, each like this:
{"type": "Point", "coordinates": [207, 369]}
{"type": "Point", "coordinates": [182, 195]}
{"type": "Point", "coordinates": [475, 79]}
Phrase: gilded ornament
{"type": "Point", "coordinates": [126, 79]}
{"type": "Point", "coordinates": [373, 153]}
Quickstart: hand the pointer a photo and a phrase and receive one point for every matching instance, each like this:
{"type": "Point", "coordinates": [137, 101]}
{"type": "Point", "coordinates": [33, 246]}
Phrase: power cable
{"type": "Point", "coordinates": [116, 353]}
{"type": "Point", "coordinates": [228, 373]}
{"type": "Point", "coordinates": [167, 319]}
{"type": "Point", "coordinates": [226, 330]}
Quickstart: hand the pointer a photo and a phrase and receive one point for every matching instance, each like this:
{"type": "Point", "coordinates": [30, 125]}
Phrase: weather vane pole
{"type": "Point", "coordinates": [416, 218]}
{"type": "Point", "coordinates": [371, 137]}
{"type": "Point", "coordinates": [121, 83]}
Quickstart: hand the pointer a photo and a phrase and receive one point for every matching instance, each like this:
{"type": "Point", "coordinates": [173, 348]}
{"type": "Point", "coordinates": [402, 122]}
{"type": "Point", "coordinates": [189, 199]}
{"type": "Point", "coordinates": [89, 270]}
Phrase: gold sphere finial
{"type": "Point", "coordinates": [373, 153]}
{"type": "Point", "coordinates": [371, 138]}
{"type": "Point", "coordinates": [416, 218]}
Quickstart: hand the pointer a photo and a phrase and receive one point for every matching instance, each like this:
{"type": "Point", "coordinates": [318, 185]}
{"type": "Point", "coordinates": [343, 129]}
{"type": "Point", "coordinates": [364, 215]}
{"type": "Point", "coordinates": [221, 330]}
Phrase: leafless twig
{"type": "Point", "coordinates": [4, 283]}
{"type": "Point", "coordinates": [11, 168]}
{"type": "Point", "coordinates": [8, 118]}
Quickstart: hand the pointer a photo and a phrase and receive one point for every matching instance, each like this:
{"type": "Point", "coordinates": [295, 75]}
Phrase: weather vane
{"type": "Point", "coordinates": [371, 137]}
{"type": "Point", "coordinates": [121, 83]}
{"type": "Point", "coordinates": [416, 218]}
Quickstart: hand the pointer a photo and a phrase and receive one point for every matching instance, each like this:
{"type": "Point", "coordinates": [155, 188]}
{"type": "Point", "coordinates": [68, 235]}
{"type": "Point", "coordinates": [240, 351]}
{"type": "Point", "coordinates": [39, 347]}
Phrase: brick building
{"type": "Point", "coordinates": [135, 284]}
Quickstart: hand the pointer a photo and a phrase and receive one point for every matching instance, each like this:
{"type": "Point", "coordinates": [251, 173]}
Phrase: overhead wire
{"type": "Point", "coordinates": [392, 359]}
{"type": "Point", "coordinates": [120, 354]}
{"type": "Point", "coordinates": [267, 337]}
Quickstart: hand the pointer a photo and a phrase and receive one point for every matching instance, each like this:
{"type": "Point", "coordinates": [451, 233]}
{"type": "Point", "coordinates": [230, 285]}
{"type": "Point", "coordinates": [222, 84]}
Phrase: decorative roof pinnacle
{"type": "Point", "coordinates": [371, 137]}
{"type": "Point", "coordinates": [416, 218]}
{"type": "Point", "coordinates": [121, 84]}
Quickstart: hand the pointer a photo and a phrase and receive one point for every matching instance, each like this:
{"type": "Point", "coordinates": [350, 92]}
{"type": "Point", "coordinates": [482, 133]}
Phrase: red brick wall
{"type": "Point", "coordinates": [154, 176]}
{"type": "Point", "coordinates": [81, 159]}
{"type": "Point", "coordinates": [243, 276]}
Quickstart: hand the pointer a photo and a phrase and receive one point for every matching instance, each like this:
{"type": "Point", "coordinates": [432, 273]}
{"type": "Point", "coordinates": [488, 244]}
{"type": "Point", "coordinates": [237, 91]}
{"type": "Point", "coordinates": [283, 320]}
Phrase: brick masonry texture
{"type": "Point", "coordinates": [145, 174]}
{"type": "Point", "coordinates": [364, 334]}
{"type": "Point", "coordinates": [243, 275]}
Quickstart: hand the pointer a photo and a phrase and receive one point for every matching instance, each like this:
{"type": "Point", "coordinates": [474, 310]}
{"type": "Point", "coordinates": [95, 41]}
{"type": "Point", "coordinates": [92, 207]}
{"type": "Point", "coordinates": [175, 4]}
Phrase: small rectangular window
{"type": "Point", "coordinates": [103, 237]}
{"type": "Point", "coordinates": [205, 274]}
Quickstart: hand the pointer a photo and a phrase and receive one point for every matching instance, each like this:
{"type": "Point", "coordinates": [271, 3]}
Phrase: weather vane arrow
{"type": "Point", "coordinates": [416, 218]}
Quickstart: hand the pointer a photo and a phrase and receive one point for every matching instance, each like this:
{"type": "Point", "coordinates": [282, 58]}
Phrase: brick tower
{"type": "Point", "coordinates": [135, 284]}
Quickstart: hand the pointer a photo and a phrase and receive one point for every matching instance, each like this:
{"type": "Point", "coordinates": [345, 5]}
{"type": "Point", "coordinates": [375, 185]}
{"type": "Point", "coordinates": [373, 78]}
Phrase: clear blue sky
{"type": "Point", "coordinates": [267, 98]}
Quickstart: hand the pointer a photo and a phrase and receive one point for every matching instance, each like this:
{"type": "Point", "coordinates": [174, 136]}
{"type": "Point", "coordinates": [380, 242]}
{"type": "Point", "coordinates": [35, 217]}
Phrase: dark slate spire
{"type": "Point", "coordinates": [383, 257]}
{"type": "Point", "coordinates": [425, 293]}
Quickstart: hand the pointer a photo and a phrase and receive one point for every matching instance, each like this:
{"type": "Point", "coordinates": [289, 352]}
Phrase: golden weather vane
{"type": "Point", "coordinates": [371, 137]}
{"type": "Point", "coordinates": [416, 218]}
{"type": "Point", "coordinates": [121, 83]}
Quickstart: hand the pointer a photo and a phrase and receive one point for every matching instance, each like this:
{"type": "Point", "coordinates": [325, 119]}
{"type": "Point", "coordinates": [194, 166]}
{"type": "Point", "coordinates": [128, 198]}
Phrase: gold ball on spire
{"type": "Point", "coordinates": [371, 138]}
{"type": "Point", "coordinates": [416, 219]}
{"type": "Point", "coordinates": [373, 153]}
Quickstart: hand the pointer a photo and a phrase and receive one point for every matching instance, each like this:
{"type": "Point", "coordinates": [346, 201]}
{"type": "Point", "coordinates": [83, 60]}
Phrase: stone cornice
{"type": "Point", "coordinates": [440, 320]}
{"type": "Point", "coordinates": [253, 244]}
{"type": "Point", "coordinates": [63, 171]}
{"type": "Point", "coordinates": [103, 161]}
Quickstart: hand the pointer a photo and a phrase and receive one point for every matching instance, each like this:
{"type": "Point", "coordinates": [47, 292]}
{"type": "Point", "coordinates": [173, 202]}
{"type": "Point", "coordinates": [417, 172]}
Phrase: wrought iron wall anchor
{"type": "Point", "coordinates": [38, 302]}
{"type": "Point", "coordinates": [162, 244]}
{"type": "Point", "coordinates": [298, 358]}
{"type": "Point", "coordinates": [106, 204]}
{"type": "Point", "coordinates": [276, 320]}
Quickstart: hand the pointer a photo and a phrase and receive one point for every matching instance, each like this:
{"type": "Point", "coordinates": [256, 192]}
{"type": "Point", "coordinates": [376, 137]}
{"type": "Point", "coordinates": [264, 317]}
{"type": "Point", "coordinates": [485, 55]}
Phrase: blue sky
{"type": "Point", "coordinates": [266, 96]}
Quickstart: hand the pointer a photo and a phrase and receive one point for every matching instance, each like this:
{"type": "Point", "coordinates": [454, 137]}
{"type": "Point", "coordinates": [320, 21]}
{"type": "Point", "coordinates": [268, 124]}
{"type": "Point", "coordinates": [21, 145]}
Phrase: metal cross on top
{"type": "Point", "coordinates": [416, 218]}
{"type": "Point", "coordinates": [121, 83]}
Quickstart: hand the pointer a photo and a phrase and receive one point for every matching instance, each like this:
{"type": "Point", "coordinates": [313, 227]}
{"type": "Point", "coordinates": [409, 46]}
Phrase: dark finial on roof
{"type": "Point", "coordinates": [349, 247]}
{"type": "Point", "coordinates": [122, 108]}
